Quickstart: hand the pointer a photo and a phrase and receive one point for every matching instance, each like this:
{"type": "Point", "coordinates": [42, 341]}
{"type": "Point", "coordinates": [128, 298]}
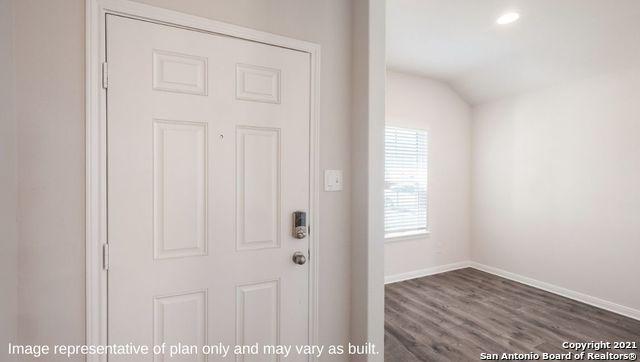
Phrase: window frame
{"type": "Point", "coordinates": [415, 235]}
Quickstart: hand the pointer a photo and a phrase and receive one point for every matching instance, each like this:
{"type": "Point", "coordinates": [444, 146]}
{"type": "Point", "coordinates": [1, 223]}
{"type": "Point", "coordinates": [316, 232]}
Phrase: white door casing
{"type": "Point", "coordinates": [157, 197]}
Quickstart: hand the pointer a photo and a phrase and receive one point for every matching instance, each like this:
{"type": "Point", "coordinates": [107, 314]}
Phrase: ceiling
{"type": "Point", "coordinates": [555, 41]}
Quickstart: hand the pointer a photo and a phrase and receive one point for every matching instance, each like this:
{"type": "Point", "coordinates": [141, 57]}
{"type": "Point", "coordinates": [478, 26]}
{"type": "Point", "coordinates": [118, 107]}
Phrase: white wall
{"type": "Point", "coordinates": [419, 102]}
{"type": "Point", "coordinates": [50, 78]}
{"type": "Point", "coordinates": [49, 45]}
{"type": "Point", "coordinates": [367, 152]}
{"type": "Point", "coordinates": [555, 186]}
{"type": "Point", "coordinates": [8, 183]}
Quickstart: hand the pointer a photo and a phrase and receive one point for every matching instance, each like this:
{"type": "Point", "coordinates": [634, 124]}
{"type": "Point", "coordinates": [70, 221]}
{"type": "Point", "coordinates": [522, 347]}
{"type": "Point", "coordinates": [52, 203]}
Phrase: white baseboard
{"type": "Point", "coordinates": [425, 272]}
{"type": "Point", "coordinates": [551, 288]}
{"type": "Point", "coordinates": [571, 294]}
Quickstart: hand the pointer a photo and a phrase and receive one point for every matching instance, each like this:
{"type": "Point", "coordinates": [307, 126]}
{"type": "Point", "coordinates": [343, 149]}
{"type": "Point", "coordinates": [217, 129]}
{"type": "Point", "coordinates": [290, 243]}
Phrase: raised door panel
{"type": "Point", "coordinates": [180, 181]}
{"type": "Point", "coordinates": [180, 319]}
{"type": "Point", "coordinates": [258, 317]}
{"type": "Point", "coordinates": [180, 73]}
{"type": "Point", "coordinates": [258, 188]}
{"type": "Point", "coordinates": [256, 83]}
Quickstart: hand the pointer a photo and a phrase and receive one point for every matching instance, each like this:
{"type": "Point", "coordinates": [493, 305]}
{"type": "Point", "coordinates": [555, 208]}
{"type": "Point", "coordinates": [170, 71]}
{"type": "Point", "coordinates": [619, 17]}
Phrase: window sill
{"type": "Point", "coordinates": [407, 237]}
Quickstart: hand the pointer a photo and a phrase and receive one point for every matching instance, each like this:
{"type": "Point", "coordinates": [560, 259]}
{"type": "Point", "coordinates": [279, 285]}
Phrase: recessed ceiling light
{"type": "Point", "coordinates": [508, 18]}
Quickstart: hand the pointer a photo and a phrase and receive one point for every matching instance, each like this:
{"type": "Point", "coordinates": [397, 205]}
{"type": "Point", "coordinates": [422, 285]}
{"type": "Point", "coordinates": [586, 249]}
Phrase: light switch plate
{"type": "Point", "coordinates": [333, 180]}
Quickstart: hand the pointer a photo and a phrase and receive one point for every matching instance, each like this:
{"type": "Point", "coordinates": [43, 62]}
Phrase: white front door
{"type": "Point", "coordinates": [208, 157]}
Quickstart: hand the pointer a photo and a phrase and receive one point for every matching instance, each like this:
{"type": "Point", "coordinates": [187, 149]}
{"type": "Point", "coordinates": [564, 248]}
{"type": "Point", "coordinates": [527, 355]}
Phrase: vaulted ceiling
{"type": "Point", "coordinates": [554, 41]}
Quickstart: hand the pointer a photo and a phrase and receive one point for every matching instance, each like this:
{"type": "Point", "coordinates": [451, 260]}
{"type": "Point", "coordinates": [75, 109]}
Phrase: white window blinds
{"type": "Point", "coordinates": [405, 182]}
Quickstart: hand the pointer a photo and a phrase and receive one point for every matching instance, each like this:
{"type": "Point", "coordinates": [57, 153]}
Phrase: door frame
{"type": "Point", "coordinates": [96, 147]}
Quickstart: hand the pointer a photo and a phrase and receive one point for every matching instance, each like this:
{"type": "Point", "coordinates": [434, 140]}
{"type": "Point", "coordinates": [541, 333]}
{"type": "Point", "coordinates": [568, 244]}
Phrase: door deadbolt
{"type": "Point", "coordinates": [299, 224]}
{"type": "Point", "coordinates": [299, 258]}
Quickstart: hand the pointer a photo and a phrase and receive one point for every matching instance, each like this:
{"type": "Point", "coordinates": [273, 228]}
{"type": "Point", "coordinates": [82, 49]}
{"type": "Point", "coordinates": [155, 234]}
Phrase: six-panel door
{"type": "Point", "coordinates": [208, 156]}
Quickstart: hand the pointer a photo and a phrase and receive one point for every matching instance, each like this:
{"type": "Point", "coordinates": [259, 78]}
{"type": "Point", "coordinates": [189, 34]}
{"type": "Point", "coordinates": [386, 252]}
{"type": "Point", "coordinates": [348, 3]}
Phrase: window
{"type": "Point", "coordinates": [405, 182]}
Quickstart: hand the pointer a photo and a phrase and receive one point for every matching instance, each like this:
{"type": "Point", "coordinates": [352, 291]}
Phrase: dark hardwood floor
{"type": "Point", "coordinates": [458, 315]}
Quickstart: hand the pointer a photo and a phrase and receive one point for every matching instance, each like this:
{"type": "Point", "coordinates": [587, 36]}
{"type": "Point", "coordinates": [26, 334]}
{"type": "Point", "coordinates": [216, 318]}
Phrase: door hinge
{"type": "Point", "coordinates": [105, 75]}
{"type": "Point", "coordinates": [105, 256]}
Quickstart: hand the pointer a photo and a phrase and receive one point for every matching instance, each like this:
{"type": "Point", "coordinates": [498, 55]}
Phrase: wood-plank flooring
{"type": "Point", "coordinates": [458, 315]}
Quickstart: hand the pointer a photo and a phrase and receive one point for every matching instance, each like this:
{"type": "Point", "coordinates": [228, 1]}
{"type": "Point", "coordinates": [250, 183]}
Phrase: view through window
{"type": "Point", "coordinates": [405, 189]}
